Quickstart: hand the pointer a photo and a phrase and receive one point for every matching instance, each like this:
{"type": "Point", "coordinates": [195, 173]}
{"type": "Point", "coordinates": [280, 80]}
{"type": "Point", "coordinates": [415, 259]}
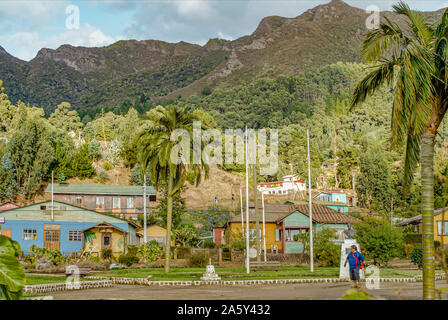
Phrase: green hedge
{"type": "Point", "coordinates": [413, 238]}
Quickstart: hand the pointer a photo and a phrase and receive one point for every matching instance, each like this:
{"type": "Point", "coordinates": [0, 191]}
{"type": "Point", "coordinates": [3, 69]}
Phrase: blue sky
{"type": "Point", "coordinates": [26, 26]}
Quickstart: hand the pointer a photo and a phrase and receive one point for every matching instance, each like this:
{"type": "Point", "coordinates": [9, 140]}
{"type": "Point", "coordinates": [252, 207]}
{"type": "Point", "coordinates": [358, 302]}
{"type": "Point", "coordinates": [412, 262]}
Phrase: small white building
{"type": "Point", "coordinates": [290, 184]}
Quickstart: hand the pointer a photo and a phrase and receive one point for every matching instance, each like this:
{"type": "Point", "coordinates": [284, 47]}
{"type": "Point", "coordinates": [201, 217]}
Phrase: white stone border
{"type": "Point", "coordinates": [146, 281]}
{"type": "Point", "coordinates": [62, 286]}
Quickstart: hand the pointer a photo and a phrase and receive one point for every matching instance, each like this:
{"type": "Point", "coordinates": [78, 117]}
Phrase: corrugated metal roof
{"type": "Point", "coordinates": [99, 189]}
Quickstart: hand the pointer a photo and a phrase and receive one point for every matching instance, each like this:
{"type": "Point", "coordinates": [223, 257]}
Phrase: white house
{"type": "Point", "coordinates": [290, 184]}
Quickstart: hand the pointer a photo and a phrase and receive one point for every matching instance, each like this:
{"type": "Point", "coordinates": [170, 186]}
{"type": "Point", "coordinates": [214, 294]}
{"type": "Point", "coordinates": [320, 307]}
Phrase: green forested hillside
{"type": "Point", "coordinates": [357, 141]}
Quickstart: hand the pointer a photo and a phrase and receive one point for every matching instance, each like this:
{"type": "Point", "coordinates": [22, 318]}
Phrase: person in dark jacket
{"type": "Point", "coordinates": [355, 259]}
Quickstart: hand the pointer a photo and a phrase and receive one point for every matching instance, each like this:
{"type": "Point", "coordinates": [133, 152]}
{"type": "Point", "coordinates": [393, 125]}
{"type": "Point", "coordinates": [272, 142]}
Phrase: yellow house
{"type": "Point", "coordinates": [154, 232]}
{"type": "Point", "coordinates": [104, 236]}
{"type": "Point", "coordinates": [274, 229]}
{"type": "Point", "coordinates": [440, 226]}
{"type": "Point", "coordinates": [284, 221]}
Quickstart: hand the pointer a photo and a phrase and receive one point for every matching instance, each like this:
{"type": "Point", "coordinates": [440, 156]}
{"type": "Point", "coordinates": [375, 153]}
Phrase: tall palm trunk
{"type": "Point", "coordinates": [427, 163]}
{"type": "Point", "coordinates": [169, 218]}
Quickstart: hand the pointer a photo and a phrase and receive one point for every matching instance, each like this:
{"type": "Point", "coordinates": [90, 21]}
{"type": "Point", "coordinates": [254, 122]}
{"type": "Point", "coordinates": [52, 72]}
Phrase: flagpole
{"type": "Point", "coordinates": [310, 202]}
{"type": "Point", "coordinates": [264, 227]}
{"type": "Point", "coordinates": [247, 209]}
{"type": "Point", "coordinates": [52, 195]}
{"type": "Point", "coordinates": [242, 212]}
{"type": "Point", "coordinates": [144, 209]}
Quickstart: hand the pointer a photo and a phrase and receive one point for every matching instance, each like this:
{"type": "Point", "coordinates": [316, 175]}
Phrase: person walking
{"type": "Point", "coordinates": [356, 262]}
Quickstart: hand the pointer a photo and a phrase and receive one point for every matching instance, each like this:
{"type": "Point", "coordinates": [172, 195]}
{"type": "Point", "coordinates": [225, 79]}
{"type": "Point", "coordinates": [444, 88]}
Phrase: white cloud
{"type": "Point", "coordinates": [28, 43]}
{"type": "Point", "coordinates": [30, 15]}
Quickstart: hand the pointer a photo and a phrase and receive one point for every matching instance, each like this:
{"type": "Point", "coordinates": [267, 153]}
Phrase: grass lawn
{"type": "Point", "coordinates": [285, 272]}
{"type": "Point", "coordinates": [43, 279]}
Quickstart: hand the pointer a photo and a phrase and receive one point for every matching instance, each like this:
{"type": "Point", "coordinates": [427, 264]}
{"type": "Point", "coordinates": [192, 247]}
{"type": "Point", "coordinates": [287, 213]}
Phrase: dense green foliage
{"type": "Point", "coordinates": [326, 252]}
{"type": "Point", "coordinates": [356, 141]}
{"type": "Point", "coordinates": [417, 256]}
{"type": "Point", "coordinates": [379, 240]}
{"type": "Point", "coordinates": [150, 251]}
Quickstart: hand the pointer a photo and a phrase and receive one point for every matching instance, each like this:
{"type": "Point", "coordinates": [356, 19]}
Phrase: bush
{"type": "Point", "coordinates": [128, 259]}
{"type": "Point", "coordinates": [150, 251]}
{"type": "Point", "coordinates": [132, 250]}
{"type": "Point", "coordinates": [103, 177]}
{"type": "Point", "coordinates": [209, 244]}
{"type": "Point", "coordinates": [327, 253]}
{"type": "Point", "coordinates": [107, 166]}
{"type": "Point", "coordinates": [379, 240]}
{"type": "Point", "coordinates": [408, 249]}
{"type": "Point", "coordinates": [417, 257]}
{"type": "Point", "coordinates": [412, 238]}
{"type": "Point", "coordinates": [106, 254]}
{"type": "Point", "coordinates": [197, 259]}
{"type": "Point", "coordinates": [53, 255]}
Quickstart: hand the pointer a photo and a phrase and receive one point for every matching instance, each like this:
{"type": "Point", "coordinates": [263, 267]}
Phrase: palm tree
{"type": "Point", "coordinates": [155, 151]}
{"type": "Point", "coordinates": [413, 62]}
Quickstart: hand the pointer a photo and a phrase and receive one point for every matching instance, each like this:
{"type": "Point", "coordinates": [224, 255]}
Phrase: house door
{"type": "Point", "coordinates": [52, 239]}
{"type": "Point", "coordinates": [107, 240]}
{"type": "Point", "coordinates": [6, 232]}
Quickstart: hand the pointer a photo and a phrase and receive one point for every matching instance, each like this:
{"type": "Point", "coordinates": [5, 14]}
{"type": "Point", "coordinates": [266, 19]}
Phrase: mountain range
{"type": "Point", "coordinates": [154, 70]}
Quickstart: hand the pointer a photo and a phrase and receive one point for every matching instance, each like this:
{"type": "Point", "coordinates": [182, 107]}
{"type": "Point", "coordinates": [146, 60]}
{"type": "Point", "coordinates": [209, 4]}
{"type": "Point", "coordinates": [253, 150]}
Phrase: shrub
{"type": "Point", "coordinates": [209, 244]}
{"type": "Point", "coordinates": [107, 166]}
{"type": "Point", "coordinates": [53, 255]}
{"type": "Point", "coordinates": [128, 259]}
{"type": "Point", "coordinates": [412, 238]}
{"type": "Point", "coordinates": [103, 176]}
{"type": "Point", "coordinates": [408, 249]}
{"type": "Point", "coordinates": [106, 254]}
{"type": "Point", "coordinates": [417, 257]}
{"type": "Point", "coordinates": [132, 250]}
{"type": "Point", "coordinates": [327, 253]}
{"type": "Point", "coordinates": [197, 259]}
{"type": "Point", "coordinates": [150, 251]}
{"type": "Point", "coordinates": [379, 240]}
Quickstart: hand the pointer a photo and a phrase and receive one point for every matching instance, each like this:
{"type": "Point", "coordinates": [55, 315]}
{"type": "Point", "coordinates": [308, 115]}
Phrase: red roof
{"type": "Point", "coordinates": [8, 206]}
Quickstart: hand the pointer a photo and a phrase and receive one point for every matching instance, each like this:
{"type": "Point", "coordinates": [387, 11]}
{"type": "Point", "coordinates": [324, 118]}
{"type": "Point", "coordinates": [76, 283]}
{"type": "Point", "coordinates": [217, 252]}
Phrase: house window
{"type": "Point", "coordinates": [341, 209]}
{"type": "Point", "coordinates": [74, 236]}
{"type": "Point", "coordinates": [130, 202]}
{"type": "Point", "coordinates": [29, 234]}
{"type": "Point", "coordinates": [290, 233]}
{"type": "Point", "coordinates": [445, 228]}
{"type": "Point", "coordinates": [278, 235]}
{"type": "Point", "coordinates": [100, 202]}
{"type": "Point", "coordinates": [78, 200]}
{"type": "Point", "coordinates": [116, 203]}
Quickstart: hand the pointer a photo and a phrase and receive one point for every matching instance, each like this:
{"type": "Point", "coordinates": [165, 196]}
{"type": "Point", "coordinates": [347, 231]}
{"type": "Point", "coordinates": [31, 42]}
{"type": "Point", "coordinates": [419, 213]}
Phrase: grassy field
{"type": "Point", "coordinates": [185, 274]}
{"type": "Point", "coordinates": [44, 279]}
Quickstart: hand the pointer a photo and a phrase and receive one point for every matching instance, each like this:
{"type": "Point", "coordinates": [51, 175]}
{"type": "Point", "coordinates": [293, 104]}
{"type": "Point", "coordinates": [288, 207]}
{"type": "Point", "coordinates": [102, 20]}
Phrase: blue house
{"type": "Point", "coordinates": [336, 200]}
{"type": "Point", "coordinates": [62, 227]}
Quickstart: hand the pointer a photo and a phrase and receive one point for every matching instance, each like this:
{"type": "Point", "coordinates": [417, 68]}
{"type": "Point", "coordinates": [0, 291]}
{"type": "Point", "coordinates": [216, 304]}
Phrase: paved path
{"type": "Point", "coordinates": [320, 291]}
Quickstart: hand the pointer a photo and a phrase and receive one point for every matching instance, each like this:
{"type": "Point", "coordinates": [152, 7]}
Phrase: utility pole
{"type": "Point", "coordinates": [257, 218]}
{"type": "Point", "coordinates": [310, 202]}
{"type": "Point", "coordinates": [52, 195]}
{"type": "Point", "coordinates": [247, 209]}
{"type": "Point", "coordinates": [144, 209]}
